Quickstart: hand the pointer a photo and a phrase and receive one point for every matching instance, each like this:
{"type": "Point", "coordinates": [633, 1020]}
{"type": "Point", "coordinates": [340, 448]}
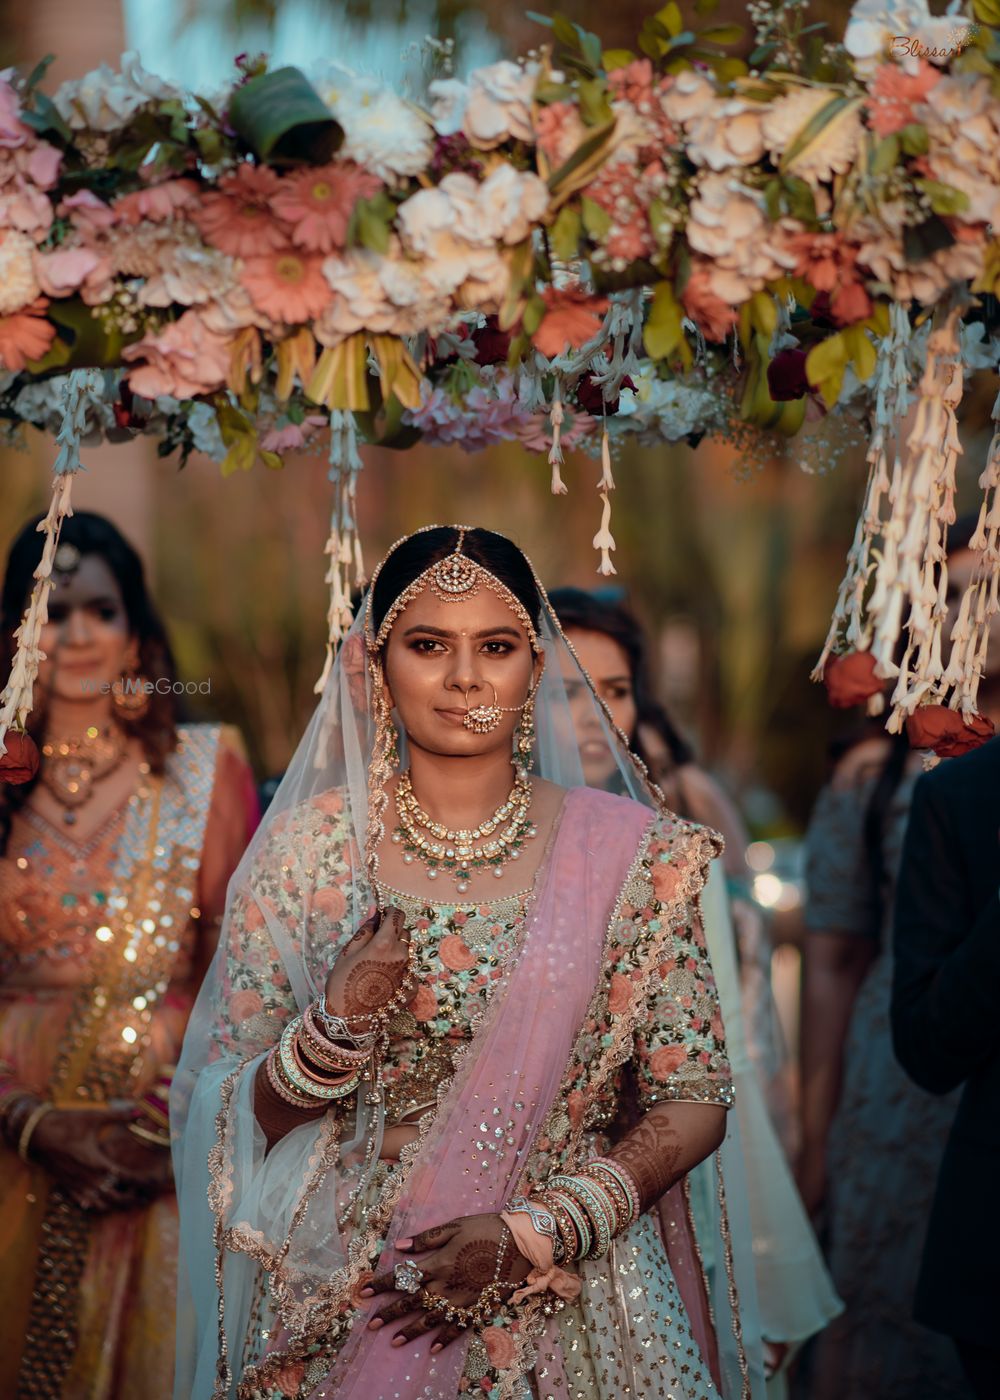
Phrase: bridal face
{"type": "Point", "coordinates": [86, 638]}
{"type": "Point", "coordinates": [443, 658]}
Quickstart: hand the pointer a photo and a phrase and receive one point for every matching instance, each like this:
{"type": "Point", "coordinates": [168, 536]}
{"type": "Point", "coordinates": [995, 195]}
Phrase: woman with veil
{"type": "Point", "coordinates": [406, 1158]}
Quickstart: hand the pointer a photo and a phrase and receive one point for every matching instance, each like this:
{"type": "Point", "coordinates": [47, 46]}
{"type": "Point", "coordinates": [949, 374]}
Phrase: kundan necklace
{"type": "Point", "coordinates": [461, 852]}
{"type": "Point", "coordinates": [72, 766]}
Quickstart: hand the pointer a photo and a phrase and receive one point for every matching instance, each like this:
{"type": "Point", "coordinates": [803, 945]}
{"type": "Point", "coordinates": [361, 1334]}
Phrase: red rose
{"type": "Point", "coordinates": [945, 731]}
{"type": "Point", "coordinates": [786, 376]}
{"type": "Point", "coordinates": [850, 679]}
{"type": "Point", "coordinates": [590, 396]}
{"type": "Point", "coordinates": [492, 344]}
{"type": "Point", "coordinates": [20, 763]}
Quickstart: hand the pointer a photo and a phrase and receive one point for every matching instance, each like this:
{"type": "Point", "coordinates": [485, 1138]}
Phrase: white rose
{"type": "Point", "coordinates": [104, 100]}
{"type": "Point", "coordinates": [494, 106]}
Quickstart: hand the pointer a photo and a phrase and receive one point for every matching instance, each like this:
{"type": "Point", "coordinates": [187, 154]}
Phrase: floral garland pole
{"type": "Point", "coordinates": [566, 251]}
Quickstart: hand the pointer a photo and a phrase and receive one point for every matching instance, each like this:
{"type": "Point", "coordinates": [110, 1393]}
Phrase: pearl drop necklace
{"type": "Point", "coordinates": [460, 852]}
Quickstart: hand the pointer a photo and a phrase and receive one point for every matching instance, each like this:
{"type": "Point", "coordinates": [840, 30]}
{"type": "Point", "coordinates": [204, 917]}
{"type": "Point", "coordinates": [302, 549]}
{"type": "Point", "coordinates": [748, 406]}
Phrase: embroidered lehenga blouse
{"type": "Point", "coordinates": [630, 1331]}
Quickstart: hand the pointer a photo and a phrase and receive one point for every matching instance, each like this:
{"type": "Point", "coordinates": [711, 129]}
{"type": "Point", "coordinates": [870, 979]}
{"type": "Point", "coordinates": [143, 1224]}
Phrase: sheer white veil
{"type": "Point", "coordinates": [327, 787]}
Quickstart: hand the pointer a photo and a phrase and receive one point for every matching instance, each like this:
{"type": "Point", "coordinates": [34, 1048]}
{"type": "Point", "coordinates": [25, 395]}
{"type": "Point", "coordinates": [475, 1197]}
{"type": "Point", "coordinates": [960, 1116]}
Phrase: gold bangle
{"type": "Point", "coordinates": [140, 1132]}
{"type": "Point", "coordinates": [34, 1118]}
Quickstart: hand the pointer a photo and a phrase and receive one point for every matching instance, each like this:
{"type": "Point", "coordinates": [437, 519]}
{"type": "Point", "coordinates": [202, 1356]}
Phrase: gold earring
{"type": "Point", "coordinates": [131, 696]}
{"type": "Point", "coordinates": [524, 743]}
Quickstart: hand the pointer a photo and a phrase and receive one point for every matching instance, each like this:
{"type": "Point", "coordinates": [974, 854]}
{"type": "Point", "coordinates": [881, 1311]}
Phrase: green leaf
{"type": "Point", "coordinates": [799, 199]}
{"type": "Point", "coordinates": [662, 228]}
{"type": "Point", "coordinates": [43, 116]}
{"type": "Point", "coordinates": [586, 158]}
{"type": "Point", "coordinates": [565, 31]}
{"type": "Point", "coordinates": [670, 17]}
{"type": "Point", "coordinates": [533, 315]}
{"type": "Point", "coordinates": [861, 351]}
{"type": "Point", "coordinates": [594, 105]}
{"type": "Point", "coordinates": [663, 331]}
{"type": "Point", "coordinates": [38, 72]}
{"type": "Point", "coordinates": [772, 199]}
{"type": "Point", "coordinates": [590, 47]}
{"type": "Point", "coordinates": [681, 40]}
{"type": "Point", "coordinates": [596, 221]}
{"type": "Point", "coordinates": [547, 92]}
{"type": "Point", "coordinates": [924, 240]}
{"type": "Point", "coordinates": [705, 7]}
{"type": "Point", "coordinates": [761, 54]}
{"type": "Point", "coordinates": [885, 156]}
{"type": "Point", "coordinates": [282, 117]}
{"type": "Point", "coordinates": [825, 365]}
{"type": "Point", "coordinates": [913, 139]}
{"type": "Point", "coordinates": [722, 34]}
{"type": "Point", "coordinates": [564, 235]}
{"type": "Point", "coordinates": [944, 199]}
{"type": "Point", "coordinates": [987, 11]}
{"type": "Point", "coordinates": [616, 58]}
{"type": "Point", "coordinates": [764, 313]}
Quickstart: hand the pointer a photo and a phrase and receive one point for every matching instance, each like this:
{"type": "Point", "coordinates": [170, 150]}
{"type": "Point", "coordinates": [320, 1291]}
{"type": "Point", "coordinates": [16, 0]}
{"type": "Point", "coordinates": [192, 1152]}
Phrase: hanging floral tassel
{"type": "Point", "coordinates": [912, 571]}
{"type": "Point", "coordinates": [851, 624]}
{"type": "Point", "coordinates": [18, 753]}
{"type": "Point", "coordinates": [343, 547]}
{"type": "Point", "coordinates": [604, 540]}
{"type": "Point", "coordinates": [556, 415]}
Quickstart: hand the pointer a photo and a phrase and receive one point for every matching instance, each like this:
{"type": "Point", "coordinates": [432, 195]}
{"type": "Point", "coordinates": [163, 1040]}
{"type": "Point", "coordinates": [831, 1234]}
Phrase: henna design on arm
{"type": "Point", "coordinates": [370, 985]}
{"type": "Point", "coordinates": [666, 1143]}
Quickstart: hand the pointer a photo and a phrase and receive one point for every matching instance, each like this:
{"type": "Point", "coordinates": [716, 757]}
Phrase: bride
{"type": "Point", "coordinates": [461, 1042]}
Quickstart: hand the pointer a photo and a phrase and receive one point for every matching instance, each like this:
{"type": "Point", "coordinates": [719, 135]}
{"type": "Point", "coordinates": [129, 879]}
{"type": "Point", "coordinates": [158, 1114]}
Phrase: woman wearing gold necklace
{"type": "Point", "coordinates": [406, 1158]}
{"type": "Point", "coordinates": [114, 861]}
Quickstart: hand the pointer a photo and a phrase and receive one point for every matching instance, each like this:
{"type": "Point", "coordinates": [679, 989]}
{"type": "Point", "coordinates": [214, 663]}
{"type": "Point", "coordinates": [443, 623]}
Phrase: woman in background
{"type": "Point", "coordinates": [795, 1296]}
{"type": "Point", "coordinates": [871, 1140]}
{"type": "Point", "coordinates": [114, 861]}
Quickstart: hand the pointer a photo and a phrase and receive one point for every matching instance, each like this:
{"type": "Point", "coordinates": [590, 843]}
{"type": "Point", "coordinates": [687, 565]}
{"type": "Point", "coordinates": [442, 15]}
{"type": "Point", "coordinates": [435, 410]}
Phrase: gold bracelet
{"type": "Point", "coordinates": [34, 1118]}
{"type": "Point", "coordinates": [144, 1133]}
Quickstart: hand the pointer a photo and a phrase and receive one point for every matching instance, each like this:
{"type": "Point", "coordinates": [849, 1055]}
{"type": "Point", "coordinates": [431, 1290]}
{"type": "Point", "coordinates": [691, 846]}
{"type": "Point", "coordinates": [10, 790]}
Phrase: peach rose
{"type": "Point", "coordinates": [331, 902]}
{"type": "Point", "coordinates": [850, 679]}
{"type": "Point", "coordinates": [620, 996]}
{"type": "Point", "coordinates": [499, 1346]}
{"type": "Point", "coordinates": [943, 730]}
{"type": "Point", "coordinates": [664, 1061]}
{"type": "Point", "coordinates": [456, 954]}
{"type": "Point", "coordinates": [666, 880]}
{"type": "Point", "coordinates": [424, 1005]}
{"type": "Point", "coordinates": [244, 1004]}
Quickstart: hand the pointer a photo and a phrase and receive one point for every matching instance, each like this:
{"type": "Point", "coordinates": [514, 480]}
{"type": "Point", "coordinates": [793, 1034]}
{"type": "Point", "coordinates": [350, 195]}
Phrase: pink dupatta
{"type": "Point", "coordinates": [507, 1079]}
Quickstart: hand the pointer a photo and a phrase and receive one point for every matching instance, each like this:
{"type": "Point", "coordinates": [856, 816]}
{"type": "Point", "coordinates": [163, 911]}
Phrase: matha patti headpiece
{"type": "Point", "coordinates": [451, 579]}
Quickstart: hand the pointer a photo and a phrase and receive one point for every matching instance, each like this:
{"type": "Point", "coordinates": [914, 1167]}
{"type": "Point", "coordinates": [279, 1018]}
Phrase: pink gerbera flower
{"type": "Point", "coordinates": [287, 285]}
{"type": "Point", "coordinates": [238, 217]}
{"type": "Point", "coordinates": [318, 203]}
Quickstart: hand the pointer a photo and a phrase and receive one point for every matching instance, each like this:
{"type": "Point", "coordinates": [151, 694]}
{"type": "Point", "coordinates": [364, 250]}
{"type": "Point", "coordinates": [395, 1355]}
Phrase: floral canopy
{"type": "Point", "coordinates": [568, 250]}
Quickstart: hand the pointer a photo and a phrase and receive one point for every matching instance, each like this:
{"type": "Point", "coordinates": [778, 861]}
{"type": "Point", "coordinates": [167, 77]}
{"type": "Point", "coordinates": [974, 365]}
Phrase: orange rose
{"type": "Point", "coordinates": [620, 995]}
{"type": "Point", "coordinates": [20, 762]}
{"type": "Point", "coordinates": [244, 1004]}
{"type": "Point", "coordinates": [943, 730]}
{"type": "Point", "coordinates": [850, 679]}
{"type": "Point", "coordinates": [499, 1346]}
{"type": "Point", "coordinates": [666, 880]}
{"type": "Point", "coordinates": [424, 1005]}
{"type": "Point", "coordinates": [456, 954]}
{"type": "Point", "coordinates": [331, 902]}
{"type": "Point", "coordinates": [571, 317]}
{"type": "Point", "coordinates": [664, 1061]}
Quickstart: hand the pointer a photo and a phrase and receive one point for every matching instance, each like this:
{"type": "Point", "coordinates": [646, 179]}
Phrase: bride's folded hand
{"type": "Point", "coordinates": [459, 1261]}
{"type": "Point", "coordinates": [370, 970]}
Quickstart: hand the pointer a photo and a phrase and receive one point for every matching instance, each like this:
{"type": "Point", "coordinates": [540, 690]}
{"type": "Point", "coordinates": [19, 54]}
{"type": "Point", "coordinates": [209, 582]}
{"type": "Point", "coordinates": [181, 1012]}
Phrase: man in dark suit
{"type": "Point", "coordinates": [946, 1032]}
